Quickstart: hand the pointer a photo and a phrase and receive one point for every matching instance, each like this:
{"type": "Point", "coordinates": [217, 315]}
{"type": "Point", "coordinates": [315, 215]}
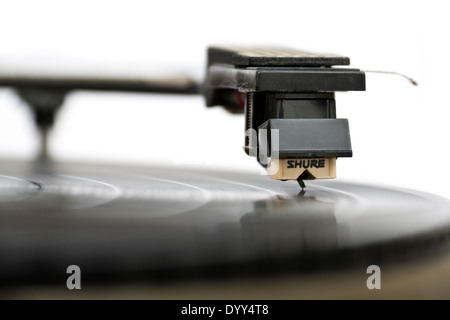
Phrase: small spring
{"type": "Point", "coordinates": [248, 124]}
{"type": "Point", "coordinates": [249, 107]}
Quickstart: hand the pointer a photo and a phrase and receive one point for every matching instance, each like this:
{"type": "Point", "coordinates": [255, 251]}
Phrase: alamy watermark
{"type": "Point", "coordinates": [74, 280]}
{"type": "Point", "coordinates": [374, 280]}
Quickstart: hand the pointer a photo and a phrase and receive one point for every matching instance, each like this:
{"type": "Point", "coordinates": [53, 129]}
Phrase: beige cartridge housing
{"type": "Point", "coordinates": [307, 169]}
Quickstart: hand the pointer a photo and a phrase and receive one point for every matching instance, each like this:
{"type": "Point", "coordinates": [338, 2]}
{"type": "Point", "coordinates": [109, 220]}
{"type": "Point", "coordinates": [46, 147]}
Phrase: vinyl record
{"type": "Point", "coordinates": [119, 222]}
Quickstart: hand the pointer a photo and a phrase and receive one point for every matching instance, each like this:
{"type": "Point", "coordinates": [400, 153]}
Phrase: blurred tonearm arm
{"type": "Point", "coordinates": [174, 85]}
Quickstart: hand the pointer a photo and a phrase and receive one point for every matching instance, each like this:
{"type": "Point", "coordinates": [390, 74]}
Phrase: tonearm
{"type": "Point", "coordinates": [287, 96]}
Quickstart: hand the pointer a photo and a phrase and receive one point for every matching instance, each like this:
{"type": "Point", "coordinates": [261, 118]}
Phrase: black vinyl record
{"type": "Point", "coordinates": [144, 223]}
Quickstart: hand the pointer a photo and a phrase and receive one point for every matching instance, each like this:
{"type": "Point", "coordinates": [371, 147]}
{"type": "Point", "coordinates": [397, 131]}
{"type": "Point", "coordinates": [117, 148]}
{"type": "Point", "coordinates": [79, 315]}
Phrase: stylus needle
{"type": "Point", "coordinates": [301, 184]}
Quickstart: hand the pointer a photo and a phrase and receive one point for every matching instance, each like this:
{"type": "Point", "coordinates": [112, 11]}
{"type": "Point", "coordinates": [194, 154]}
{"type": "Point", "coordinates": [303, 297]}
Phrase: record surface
{"type": "Point", "coordinates": [121, 222]}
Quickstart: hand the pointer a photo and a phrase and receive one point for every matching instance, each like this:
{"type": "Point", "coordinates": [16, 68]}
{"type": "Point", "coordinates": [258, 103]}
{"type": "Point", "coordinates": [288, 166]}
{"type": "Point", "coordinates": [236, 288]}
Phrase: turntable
{"type": "Point", "coordinates": [169, 232]}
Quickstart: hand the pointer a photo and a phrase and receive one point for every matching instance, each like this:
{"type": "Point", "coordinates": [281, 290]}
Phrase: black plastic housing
{"type": "Point", "coordinates": [288, 90]}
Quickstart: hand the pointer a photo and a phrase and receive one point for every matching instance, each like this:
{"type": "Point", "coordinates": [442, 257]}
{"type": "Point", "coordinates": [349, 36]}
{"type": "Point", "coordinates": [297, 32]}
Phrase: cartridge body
{"type": "Point", "coordinates": [288, 98]}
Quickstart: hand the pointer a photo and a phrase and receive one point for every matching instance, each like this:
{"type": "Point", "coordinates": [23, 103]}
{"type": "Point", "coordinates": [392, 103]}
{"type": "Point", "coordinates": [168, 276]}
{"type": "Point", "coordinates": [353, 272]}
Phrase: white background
{"type": "Point", "coordinates": [399, 132]}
